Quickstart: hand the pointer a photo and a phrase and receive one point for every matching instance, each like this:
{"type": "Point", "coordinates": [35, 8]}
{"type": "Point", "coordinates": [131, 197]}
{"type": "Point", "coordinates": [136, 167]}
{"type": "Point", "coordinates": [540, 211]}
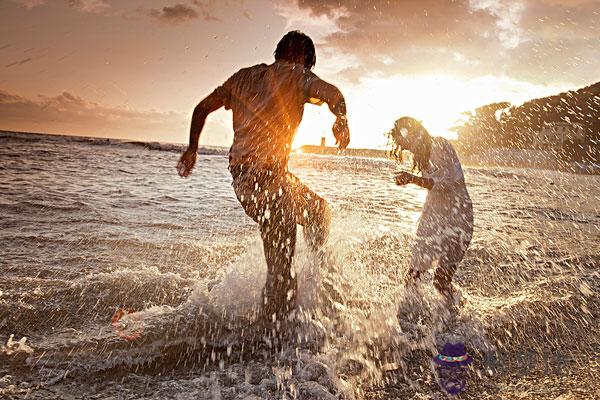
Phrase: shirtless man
{"type": "Point", "coordinates": [267, 102]}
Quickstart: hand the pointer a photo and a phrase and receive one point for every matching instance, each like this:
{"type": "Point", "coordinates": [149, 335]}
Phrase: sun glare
{"type": "Point", "coordinates": [437, 100]}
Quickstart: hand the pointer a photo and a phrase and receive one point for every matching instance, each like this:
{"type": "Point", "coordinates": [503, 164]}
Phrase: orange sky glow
{"type": "Point", "coordinates": [135, 69]}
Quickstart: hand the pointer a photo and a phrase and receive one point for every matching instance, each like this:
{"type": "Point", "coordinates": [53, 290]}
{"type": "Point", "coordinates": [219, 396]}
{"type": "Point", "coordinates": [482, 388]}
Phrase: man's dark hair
{"type": "Point", "coordinates": [296, 47]}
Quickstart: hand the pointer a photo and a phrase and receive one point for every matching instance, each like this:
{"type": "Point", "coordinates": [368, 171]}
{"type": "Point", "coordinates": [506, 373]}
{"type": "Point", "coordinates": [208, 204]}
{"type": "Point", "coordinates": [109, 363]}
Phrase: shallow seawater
{"type": "Point", "coordinates": [90, 229]}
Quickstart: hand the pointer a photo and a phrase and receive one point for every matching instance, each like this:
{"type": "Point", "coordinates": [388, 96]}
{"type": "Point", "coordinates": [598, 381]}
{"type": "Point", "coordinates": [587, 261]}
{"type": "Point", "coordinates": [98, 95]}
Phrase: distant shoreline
{"type": "Point", "coordinates": [496, 157]}
{"type": "Point", "coordinates": [153, 144]}
{"type": "Point", "coordinates": [493, 157]}
{"type": "Point", "coordinates": [149, 145]}
{"type": "Point", "coordinates": [333, 151]}
{"type": "Point", "coordinates": [113, 139]}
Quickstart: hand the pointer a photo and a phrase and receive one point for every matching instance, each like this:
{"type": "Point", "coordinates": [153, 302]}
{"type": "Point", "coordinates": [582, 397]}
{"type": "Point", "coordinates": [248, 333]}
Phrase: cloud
{"type": "Point", "coordinates": [508, 14]}
{"type": "Point", "coordinates": [32, 3]}
{"type": "Point", "coordinates": [405, 37]}
{"type": "Point", "coordinates": [69, 113]}
{"type": "Point", "coordinates": [20, 62]}
{"type": "Point", "coordinates": [89, 6]}
{"type": "Point", "coordinates": [176, 14]}
{"type": "Point", "coordinates": [541, 40]}
{"type": "Point", "coordinates": [206, 10]}
{"type": "Point", "coordinates": [181, 13]}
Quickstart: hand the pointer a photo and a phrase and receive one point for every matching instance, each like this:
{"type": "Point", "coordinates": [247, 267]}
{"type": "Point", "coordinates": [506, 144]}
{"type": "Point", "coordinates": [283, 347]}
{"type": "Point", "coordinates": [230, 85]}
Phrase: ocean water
{"type": "Point", "coordinates": [118, 279]}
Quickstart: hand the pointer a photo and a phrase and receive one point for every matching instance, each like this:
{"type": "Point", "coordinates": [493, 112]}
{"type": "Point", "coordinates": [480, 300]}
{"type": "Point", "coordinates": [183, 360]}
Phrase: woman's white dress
{"type": "Point", "coordinates": [446, 224]}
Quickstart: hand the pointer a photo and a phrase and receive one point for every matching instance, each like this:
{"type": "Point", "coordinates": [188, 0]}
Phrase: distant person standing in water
{"type": "Point", "coordinates": [267, 103]}
{"type": "Point", "coordinates": [446, 224]}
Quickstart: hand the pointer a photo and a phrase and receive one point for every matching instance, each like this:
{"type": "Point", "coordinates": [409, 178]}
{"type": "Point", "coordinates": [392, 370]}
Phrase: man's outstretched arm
{"type": "Point", "coordinates": [187, 161]}
{"type": "Point", "coordinates": [331, 95]}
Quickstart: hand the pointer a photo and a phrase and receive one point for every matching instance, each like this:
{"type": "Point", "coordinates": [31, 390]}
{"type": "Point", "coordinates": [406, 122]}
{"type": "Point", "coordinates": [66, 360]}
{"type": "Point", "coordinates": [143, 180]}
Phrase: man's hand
{"type": "Point", "coordinates": [341, 133]}
{"type": "Point", "coordinates": [404, 178]}
{"type": "Point", "coordinates": [186, 163]}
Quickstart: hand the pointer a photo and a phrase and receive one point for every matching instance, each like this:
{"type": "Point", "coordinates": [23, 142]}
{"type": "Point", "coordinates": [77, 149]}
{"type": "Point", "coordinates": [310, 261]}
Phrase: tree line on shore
{"type": "Point", "coordinates": [503, 125]}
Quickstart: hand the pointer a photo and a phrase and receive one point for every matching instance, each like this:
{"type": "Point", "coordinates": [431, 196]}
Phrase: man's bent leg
{"type": "Point", "coordinates": [316, 228]}
{"type": "Point", "coordinates": [312, 212]}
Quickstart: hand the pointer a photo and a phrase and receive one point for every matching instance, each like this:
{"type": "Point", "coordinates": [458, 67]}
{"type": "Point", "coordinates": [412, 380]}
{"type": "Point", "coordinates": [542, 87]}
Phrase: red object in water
{"type": "Point", "coordinates": [127, 330]}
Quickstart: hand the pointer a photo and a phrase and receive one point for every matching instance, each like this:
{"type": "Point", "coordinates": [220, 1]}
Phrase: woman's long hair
{"type": "Point", "coordinates": [415, 133]}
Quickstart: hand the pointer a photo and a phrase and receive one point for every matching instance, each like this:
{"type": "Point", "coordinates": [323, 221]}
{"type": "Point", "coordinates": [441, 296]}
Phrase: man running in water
{"type": "Point", "coordinates": [267, 102]}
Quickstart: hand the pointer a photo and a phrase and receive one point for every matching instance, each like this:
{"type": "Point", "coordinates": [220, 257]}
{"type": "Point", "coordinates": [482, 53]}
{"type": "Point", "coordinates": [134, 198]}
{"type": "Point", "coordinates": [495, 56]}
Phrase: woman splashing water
{"type": "Point", "coordinates": [446, 224]}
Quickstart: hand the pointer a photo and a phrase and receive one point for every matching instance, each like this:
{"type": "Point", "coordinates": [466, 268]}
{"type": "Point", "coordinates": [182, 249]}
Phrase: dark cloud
{"type": "Point", "coordinates": [174, 14]}
{"type": "Point", "coordinates": [69, 113]}
{"type": "Point", "coordinates": [522, 38]}
{"type": "Point", "coordinates": [180, 13]}
{"type": "Point", "coordinates": [20, 62]}
{"type": "Point", "coordinates": [409, 36]}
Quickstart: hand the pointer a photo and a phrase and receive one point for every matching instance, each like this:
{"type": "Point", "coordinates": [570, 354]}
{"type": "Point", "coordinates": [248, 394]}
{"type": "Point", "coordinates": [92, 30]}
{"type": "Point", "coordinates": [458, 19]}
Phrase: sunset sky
{"type": "Point", "coordinates": [136, 68]}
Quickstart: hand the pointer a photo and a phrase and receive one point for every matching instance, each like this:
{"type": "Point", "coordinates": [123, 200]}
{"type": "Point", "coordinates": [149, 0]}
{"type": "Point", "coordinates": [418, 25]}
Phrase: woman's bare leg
{"type": "Point", "coordinates": [442, 279]}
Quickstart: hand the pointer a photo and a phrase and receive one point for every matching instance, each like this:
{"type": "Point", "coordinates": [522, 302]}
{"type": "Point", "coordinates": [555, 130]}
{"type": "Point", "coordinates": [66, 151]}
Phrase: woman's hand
{"type": "Point", "coordinates": [404, 178]}
{"type": "Point", "coordinates": [186, 163]}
